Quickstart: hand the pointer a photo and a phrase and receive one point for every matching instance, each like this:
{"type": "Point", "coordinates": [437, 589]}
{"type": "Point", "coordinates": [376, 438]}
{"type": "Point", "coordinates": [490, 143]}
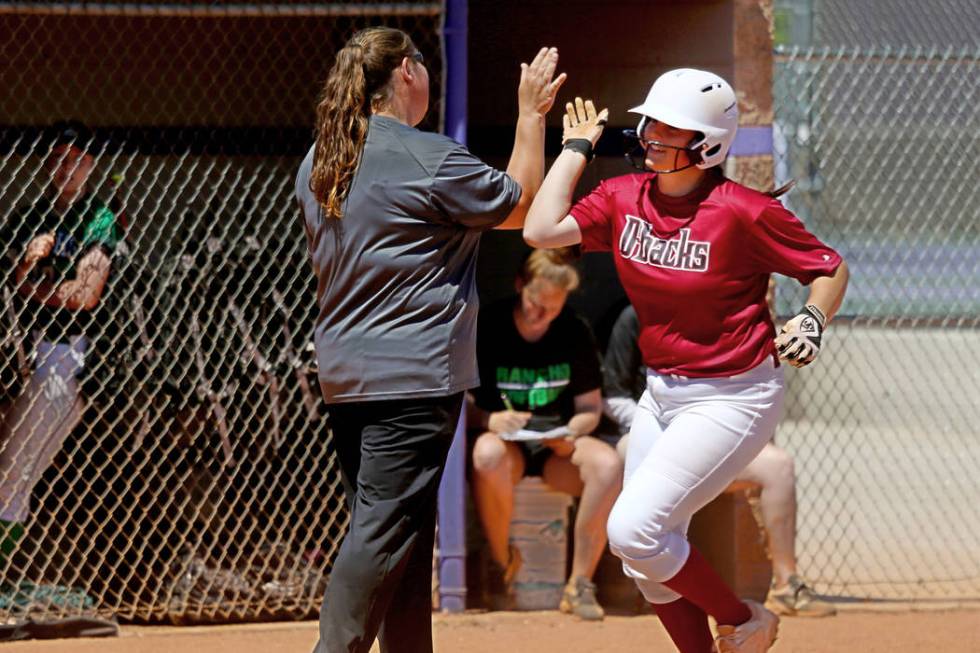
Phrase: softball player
{"type": "Point", "coordinates": [64, 245]}
{"type": "Point", "coordinates": [694, 252]}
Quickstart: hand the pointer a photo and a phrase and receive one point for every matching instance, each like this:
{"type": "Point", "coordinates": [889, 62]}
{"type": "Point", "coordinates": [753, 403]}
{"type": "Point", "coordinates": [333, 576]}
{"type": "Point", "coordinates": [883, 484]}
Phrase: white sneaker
{"type": "Point", "coordinates": [754, 636]}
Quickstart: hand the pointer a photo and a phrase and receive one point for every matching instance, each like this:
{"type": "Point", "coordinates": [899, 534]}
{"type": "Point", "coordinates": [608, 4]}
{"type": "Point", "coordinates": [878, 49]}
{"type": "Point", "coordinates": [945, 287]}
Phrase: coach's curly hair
{"type": "Point", "coordinates": [554, 265]}
{"type": "Point", "coordinates": [357, 83]}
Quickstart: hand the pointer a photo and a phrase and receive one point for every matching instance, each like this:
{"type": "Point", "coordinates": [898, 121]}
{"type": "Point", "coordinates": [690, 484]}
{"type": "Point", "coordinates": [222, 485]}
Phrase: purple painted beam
{"type": "Point", "coordinates": [452, 525]}
{"type": "Point", "coordinates": [454, 32]}
{"type": "Point", "coordinates": [452, 490]}
{"type": "Point", "coordinates": [752, 140]}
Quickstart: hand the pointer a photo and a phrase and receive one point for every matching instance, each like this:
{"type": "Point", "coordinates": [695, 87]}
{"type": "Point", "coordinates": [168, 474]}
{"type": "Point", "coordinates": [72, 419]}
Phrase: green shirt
{"type": "Point", "coordinates": [88, 223]}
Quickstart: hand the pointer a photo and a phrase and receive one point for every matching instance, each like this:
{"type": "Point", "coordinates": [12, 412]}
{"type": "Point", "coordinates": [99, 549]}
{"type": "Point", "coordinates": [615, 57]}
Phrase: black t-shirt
{"type": "Point", "coordinates": [623, 371]}
{"type": "Point", "coordinates": [542, 377]}
{"type": "Point", "coordinates": [88, 223]}
{"type": "Point", "coordinates": [624, 374]}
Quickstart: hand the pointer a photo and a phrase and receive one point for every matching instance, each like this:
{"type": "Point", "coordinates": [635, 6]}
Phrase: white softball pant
{"type": "Point", "coordinates": [38, 423]}
{"type": "Point", "coordinates": [689, 440]}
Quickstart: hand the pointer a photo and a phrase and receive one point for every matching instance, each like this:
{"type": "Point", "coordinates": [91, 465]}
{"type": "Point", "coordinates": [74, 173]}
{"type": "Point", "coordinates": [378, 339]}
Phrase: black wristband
{"type": "Point", "coordinates": [581, 145]}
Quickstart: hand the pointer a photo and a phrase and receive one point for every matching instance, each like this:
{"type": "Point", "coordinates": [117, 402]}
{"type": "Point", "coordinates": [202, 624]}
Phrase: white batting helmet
{"type": "Point", "coordinates": [686, 98]}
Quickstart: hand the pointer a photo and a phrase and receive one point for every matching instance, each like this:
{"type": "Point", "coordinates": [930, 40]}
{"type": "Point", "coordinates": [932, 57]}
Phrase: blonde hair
{"type": "Point", "coordinates": [357, 83]}
{"type": "Point", "coordinates": [553, 265]}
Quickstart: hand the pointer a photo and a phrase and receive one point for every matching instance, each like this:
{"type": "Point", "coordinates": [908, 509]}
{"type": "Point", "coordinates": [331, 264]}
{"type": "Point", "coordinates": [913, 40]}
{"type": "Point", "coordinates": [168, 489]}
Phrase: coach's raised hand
{"type": "Point", "coordinates": [535, 96]}
{"type": "Point", "coordinates": [539, 87]}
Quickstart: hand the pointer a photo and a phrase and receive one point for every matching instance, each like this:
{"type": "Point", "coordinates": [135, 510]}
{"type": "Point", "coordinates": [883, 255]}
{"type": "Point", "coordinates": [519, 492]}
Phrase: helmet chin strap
{"type": "Point", "coordinates": [677, 152]}
{"type": "Point", "coordinates": [693, 153]}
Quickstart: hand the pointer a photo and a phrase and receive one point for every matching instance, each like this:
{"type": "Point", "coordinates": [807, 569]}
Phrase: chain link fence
{"type": "Point", "coordinates": [164, 454]}
{"type": "Point", "coordinates": [883, 144]}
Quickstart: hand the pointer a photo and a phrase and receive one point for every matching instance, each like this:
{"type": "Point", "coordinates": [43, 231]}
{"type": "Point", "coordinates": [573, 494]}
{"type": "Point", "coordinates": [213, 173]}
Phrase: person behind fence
{"type": "Point", "coordinates": [540, 372]}
{"type": "Point", "coordinates": [694, 252]}
{"type": "Point", "coordinates": [393, 217]}
{"type": "Point", "coordinates": [61, 245]}
{"type": "Point", "coordinates": [624, 380]}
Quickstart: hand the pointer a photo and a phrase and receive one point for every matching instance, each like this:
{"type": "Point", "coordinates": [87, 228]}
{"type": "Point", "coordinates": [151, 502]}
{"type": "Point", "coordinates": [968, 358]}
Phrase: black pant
{"type": "Point", "coordinates": [392, 454]}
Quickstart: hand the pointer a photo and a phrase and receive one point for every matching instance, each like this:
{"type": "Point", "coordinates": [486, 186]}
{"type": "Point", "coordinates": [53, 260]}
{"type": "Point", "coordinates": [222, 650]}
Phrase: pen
{"type": "Point", "coordinates": [506, 400]}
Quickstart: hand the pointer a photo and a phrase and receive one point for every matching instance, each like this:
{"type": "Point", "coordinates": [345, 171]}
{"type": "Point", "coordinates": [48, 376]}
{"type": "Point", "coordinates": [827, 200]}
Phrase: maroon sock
{"type": "Point", "coordinates": [701, 585]}
{"type": "Point", "coordinates": [687, 625]}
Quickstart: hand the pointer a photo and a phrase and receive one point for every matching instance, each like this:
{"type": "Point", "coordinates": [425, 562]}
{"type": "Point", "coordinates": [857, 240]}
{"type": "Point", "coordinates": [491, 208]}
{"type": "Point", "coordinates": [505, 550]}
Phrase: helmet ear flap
{"type": "Point", "coordinates": [711, 151]}
{"type": "Point", "coordinates": [695, 149]}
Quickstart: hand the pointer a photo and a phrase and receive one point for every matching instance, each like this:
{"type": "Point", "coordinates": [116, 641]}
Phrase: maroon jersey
{"type": "Point", "coordinates": [696, 268]}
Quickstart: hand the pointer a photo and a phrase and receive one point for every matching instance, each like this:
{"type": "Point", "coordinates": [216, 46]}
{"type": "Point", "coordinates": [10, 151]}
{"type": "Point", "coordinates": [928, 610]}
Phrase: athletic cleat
{"type": "Point", "coordinates": [579, 599]}
{"type": "Point", "coordinates": [798, 600]}
{"type": "Point", "coordinates": [754, 636]}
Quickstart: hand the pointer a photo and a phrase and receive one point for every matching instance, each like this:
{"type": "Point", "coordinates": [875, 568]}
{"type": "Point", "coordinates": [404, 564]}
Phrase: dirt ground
{"type": "Point", "coordinates": [933, 630]}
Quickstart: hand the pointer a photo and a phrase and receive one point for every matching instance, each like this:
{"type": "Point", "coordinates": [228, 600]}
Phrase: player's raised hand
{"type": "Point", "coordinates": [581, 120]}
{"type": "Point", "coordinates": [798, 342]}
{"type": "Point", "coordinates": [539, 87]}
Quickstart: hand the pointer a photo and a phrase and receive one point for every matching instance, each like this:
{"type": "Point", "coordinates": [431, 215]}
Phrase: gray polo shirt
{"type": "Point", "coordinates": [396, 276]}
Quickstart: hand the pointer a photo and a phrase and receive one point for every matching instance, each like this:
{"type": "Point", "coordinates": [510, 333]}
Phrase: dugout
{"type": "Point", "coordinates": [202, 111]}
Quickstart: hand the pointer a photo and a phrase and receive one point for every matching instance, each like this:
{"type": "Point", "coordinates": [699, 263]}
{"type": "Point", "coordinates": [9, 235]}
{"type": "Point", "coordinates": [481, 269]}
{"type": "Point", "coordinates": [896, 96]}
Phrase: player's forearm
{"type": "Point", "coordinates": [526, 164]}
{"type": "Point", "coordinates": [553, 200]}
{"type": "Point", "coordinates": [82, 292]}
{"type": "Point", "coordinates": [583, 423]}
{"type": "Point", "coordinates": [72, 295]}
{"type": "Point", "coordinates": [75, 296]}
{"type": "Point", "coordinates": [827, 293]}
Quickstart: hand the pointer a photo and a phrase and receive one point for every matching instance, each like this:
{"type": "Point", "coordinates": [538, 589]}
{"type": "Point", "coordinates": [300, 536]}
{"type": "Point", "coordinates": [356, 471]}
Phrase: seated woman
{"type": "Point", "coordinates": [540, 371]}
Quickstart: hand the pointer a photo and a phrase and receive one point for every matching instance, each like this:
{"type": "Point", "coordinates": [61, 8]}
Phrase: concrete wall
{"type": "Point", "coordinates": [217, 71]}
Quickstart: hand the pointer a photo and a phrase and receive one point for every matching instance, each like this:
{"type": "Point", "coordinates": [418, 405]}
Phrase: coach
{"type": "Point", "coordinates": [393, 218]}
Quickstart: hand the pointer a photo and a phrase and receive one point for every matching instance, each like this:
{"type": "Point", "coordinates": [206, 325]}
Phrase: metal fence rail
{"type": "Point", "coordinates": [196, 484]}
{"type": "Point", "coordinates": [883, 143]}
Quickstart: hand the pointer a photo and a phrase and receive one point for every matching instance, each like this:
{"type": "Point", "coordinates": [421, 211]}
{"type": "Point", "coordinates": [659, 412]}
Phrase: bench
{"type": "Point", "coordinates": [726, 531]}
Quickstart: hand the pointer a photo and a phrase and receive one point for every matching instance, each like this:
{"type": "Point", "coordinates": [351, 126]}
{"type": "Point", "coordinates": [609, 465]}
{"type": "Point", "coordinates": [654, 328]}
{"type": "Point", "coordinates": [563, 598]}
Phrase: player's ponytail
{"type": "Point", "coordinates": [358, 83]}
{"type": "Point", "coordinates": [554, 265]}
{"type": "Point", "coordinates": [782, 190]}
